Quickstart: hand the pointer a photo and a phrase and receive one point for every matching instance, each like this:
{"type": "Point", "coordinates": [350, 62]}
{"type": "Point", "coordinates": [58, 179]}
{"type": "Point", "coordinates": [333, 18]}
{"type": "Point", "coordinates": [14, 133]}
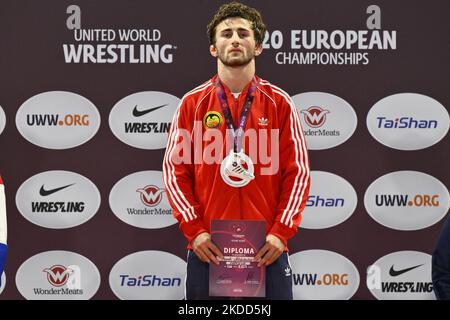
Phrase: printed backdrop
{"type": "Point", "coordinates": [87, 94]}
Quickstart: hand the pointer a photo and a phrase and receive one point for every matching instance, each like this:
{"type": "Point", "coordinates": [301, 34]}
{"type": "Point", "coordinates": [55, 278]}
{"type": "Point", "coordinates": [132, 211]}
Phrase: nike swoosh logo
{"type": "Point", "coordinates": [45, 193]}
{"type": "Point", "coordinates": [140, 113]}
{"type": "Point", "coordinates": [395, 273]}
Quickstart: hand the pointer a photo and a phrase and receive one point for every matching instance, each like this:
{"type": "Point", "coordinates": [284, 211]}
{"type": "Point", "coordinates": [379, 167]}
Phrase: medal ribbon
{"type": "Point", "coordinates": [239, 132]}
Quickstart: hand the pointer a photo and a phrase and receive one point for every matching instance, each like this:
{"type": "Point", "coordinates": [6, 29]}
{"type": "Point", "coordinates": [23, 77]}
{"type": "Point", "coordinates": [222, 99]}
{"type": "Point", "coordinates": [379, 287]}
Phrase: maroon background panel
{"type": "Point", "coordinates": [31, 61]}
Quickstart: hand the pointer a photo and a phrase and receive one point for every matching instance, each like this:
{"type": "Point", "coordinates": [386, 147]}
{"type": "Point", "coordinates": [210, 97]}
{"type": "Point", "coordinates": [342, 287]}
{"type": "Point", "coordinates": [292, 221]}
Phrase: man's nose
{"type": "Point", "coordinates": [235, 40]}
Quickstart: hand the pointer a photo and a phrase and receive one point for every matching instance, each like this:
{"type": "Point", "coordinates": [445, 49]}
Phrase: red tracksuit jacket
{"type": "Point", "coordinates": [197, 192]}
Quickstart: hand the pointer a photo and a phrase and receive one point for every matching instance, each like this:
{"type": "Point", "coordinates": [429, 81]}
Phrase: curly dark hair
{"type": "Point", "coordinates": [233, 10]}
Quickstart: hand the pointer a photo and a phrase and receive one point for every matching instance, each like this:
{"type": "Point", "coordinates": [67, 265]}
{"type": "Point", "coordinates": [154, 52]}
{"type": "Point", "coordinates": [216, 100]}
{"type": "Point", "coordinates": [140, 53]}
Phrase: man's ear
{"type": "Point", "coordinates": [213, 51]}
{"type": "Point", "coordinates": [258, 50]}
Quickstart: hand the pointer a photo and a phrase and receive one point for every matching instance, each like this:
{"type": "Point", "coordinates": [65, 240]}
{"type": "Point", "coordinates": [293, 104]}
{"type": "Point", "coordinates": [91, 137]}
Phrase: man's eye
{"type": "Point", "coordinates": [227, 34]}
{"type": "Point", "coordinates": [243, 34]}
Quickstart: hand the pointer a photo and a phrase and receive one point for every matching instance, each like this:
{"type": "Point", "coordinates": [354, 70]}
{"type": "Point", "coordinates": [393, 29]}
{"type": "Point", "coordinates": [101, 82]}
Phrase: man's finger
{"type": "Point", "coordinates": [262, 252]}
{"type": "Point", "coordinates": [266, 257]}
{"type": "Point", "coordinates": [201, 255]}
{"type": "Point", "coordinates": [211, 256]}
{"type": "Point", "coordinates": [273, 257]}
{"type": "Point", "coordinates": [215, 250]}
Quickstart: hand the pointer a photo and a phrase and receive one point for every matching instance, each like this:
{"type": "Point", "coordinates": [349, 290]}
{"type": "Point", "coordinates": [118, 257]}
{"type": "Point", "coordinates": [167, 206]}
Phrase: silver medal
{"type": "Point", "coordinates": [232, 167]}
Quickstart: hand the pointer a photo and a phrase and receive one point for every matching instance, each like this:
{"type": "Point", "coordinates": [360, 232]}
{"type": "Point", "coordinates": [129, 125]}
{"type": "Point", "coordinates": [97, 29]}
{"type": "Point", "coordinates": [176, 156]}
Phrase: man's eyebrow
{"type": "Point", "coordinates": [230, 29]}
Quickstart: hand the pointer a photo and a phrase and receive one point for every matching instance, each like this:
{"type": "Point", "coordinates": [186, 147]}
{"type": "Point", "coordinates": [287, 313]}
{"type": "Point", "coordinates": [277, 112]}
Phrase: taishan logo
{"type": "Point", "coordinates": [151, 195]}
{"type": "Point", "coordinates": [149, 281]}
{"type": "Point", "coordinates": [148, 275]}
{"type": "Point", "coordinates": [315, 116]}
{"type": "Point", "coordinates": [406, 123]}
{"type": "Point", "coordinates": [318, 201]}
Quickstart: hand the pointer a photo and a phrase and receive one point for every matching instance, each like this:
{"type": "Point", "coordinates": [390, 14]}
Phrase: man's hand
{"type": "Point", "coordinates": [270, 252]}
{"type": "Point", "coordinates": [205, 249]}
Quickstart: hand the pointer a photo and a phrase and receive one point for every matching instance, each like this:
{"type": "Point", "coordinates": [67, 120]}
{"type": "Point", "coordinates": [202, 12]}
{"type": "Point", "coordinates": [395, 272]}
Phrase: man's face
{"type": "Point", "coordinates": [235, 42]}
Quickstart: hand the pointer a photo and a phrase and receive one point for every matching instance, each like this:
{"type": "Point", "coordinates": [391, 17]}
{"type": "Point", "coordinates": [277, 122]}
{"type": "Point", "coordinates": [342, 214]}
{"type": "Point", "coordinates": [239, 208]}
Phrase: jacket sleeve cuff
{"type": "Point", "coordinates": [3, 252]}
{"type": "Point", "coordinates": [192, 229]}
{"type": "Point", "coordinates": [283, 232]}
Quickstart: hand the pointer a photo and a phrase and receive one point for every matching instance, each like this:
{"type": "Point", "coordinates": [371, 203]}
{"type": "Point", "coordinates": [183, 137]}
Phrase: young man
{"type": "Point", "coordinates": [240, 185]}
{"type": "Point", "coordinates": [441, 264]}
{"type": "Point", "coordinates": [3, 246]}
